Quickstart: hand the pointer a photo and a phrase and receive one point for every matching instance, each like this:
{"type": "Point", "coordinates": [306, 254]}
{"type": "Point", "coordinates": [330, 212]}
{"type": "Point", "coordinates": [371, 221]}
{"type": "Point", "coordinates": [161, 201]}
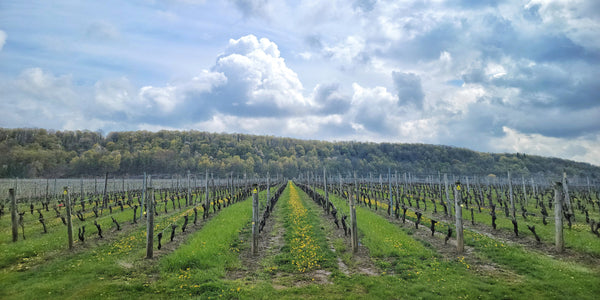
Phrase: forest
{"type": "Point", "coordinates": [35, 153]}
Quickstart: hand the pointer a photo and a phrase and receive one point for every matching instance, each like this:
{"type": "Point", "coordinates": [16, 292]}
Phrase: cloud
{"type": "Point", "coordinates": [364, 5]}
{"type": "Point", "coordinates": [578, 20]}
{"type": "Point", "coordinates": [475, 4]}
{"type": "Point", "coordinates": [161, 99]}
{"type": "Point", "coordinates": [348, 53]}
{"type": "Point", "coordinates": [302, 127]}
{"type": "Point", "coordinates": [580, 149]}
{"type": "Point", "coordinates": [410, 91]}
{"type": "Point", "coordinates": [40, 85]}
{"type": "Point", "coordinates": [314, 42]}
{"type": "Point", "coordinates": [116, 95]}
{"type": "Point", "coordinates": [373, 109]}
{"type": "Point", "coordinates": [252, 8]}
{"type": "Point", "coordinates": [40, 99]}
{"type": "Point", "coordinates": [3, 37]}
{"type": "Point", "coordinates": [552, 99]}
{"type": "Point", "coordinates": [546, 85]}
{"type": "Point", "coordinates": [330, 100]}
{"type": "Point", "coordinates": [102, 31]}
{"type": "Point", "coordinates": [258, 81]}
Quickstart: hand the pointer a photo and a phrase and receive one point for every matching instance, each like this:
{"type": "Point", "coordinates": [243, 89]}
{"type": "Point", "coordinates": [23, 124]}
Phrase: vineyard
{"type": "Point", "coordinates": [319, 235]}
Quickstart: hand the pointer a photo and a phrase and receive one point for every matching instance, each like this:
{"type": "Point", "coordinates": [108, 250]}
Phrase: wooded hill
{"type": "Point", "coordinates": [47, 153]}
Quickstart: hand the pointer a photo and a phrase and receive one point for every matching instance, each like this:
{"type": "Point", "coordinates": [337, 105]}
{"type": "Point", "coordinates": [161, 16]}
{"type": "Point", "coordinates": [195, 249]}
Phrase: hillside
{"type": "Point", "coordinates": [47, 153]}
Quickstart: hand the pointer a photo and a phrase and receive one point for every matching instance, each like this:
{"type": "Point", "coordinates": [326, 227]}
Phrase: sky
{"type": "Point", "coordinates": [492, 76]}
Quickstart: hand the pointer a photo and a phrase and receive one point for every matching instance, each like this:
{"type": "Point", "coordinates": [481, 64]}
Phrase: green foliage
{"type": "Point", "coordinates": [41, 153]}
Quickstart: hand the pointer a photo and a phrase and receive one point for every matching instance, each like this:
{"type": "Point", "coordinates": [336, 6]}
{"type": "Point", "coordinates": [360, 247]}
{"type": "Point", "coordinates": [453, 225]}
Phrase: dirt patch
{"type": "Point", "coordinates": [317, 277]}
{"type": "Point", "coordinates": [348, 263]}
{"type": "Point", "coordinates": [125, 265]}
{"type": "Point", "coordinates": [342, 266]}
{"type": "Point", "coordinates": [270, 241]}
{"type": "Point", "coordinates": [282, 281]}
{"type": "Point", "coordinates": [491, 269]}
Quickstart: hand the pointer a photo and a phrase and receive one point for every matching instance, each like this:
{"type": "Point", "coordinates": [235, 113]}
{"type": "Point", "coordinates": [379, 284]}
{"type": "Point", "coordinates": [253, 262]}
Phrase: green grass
{"type": "Point", "coordinates": [207, 256]}
{"type": "Point", "coordinates": [81, 274]}
{"type": "Point", "coordinates": [306, 248]}
{"type": "Point", "coordinates": [542, 275]}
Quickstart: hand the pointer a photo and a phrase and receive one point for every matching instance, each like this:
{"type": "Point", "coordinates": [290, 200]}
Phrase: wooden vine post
{"type": "Point", "coordinates": [404, 186]}
{"type": "Point", "coordinates": [13, 215]}
{"type": "Point", "coordinates": [353, 224]}
{"type": "Point", "coordinates": [188, 199]}
{"type": "Point", "coordinates": [341, 189]}
{"type": "Point", "coordinates": [69, 221]}
{"type": "Point", "coordinates": [48, 186]}
{"type": "Point", "coordinates": [143, 200]}
{"type": "Point", "coordinates": [81, 188]}
{"type": "Point", "coordinates": [566, 198]}
{"type": "Point", "coordinates": [558, 223]}
{"type": "Point", "coordinates": [390, 191]}
{"type": "Point", "coordinates": [269, 189]}
{"type": "Point", "coordinates": [104, 197]}
{"type": "Point", "coordinates": [150, 223]}
{"type": "Point", "coordinates": [447, 194]}
{"type": "Point", "coordinates": [213, 189]}
{"type": "Point", "coordinates": [460, 243]}
{"type": "Point", "coordinates": [255, 221]}
{"type": "Point", "coordinates": [308, 180]}
{"type": "Point", "coordinates": [524, 190]}
{"type": "Point", "coordinates": [326, 192]}
{"type": "Point", "coordinates": [206, 200]}
{"type": "Point", "coordinates": [468, 187]}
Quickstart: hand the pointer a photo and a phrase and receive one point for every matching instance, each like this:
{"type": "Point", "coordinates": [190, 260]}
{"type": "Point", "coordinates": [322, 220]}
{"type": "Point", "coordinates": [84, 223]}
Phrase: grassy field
{"type": "Point", "coordinates": [302, 255]}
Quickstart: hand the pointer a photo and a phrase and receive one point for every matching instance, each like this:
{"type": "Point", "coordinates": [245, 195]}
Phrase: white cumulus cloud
{"type": "Point", "coordinates": [258, 78]}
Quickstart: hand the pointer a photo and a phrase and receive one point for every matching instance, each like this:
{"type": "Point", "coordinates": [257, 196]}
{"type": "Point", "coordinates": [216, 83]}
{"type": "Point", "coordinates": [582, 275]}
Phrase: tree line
{"type": "Point", "coordinates": [30, 153]}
